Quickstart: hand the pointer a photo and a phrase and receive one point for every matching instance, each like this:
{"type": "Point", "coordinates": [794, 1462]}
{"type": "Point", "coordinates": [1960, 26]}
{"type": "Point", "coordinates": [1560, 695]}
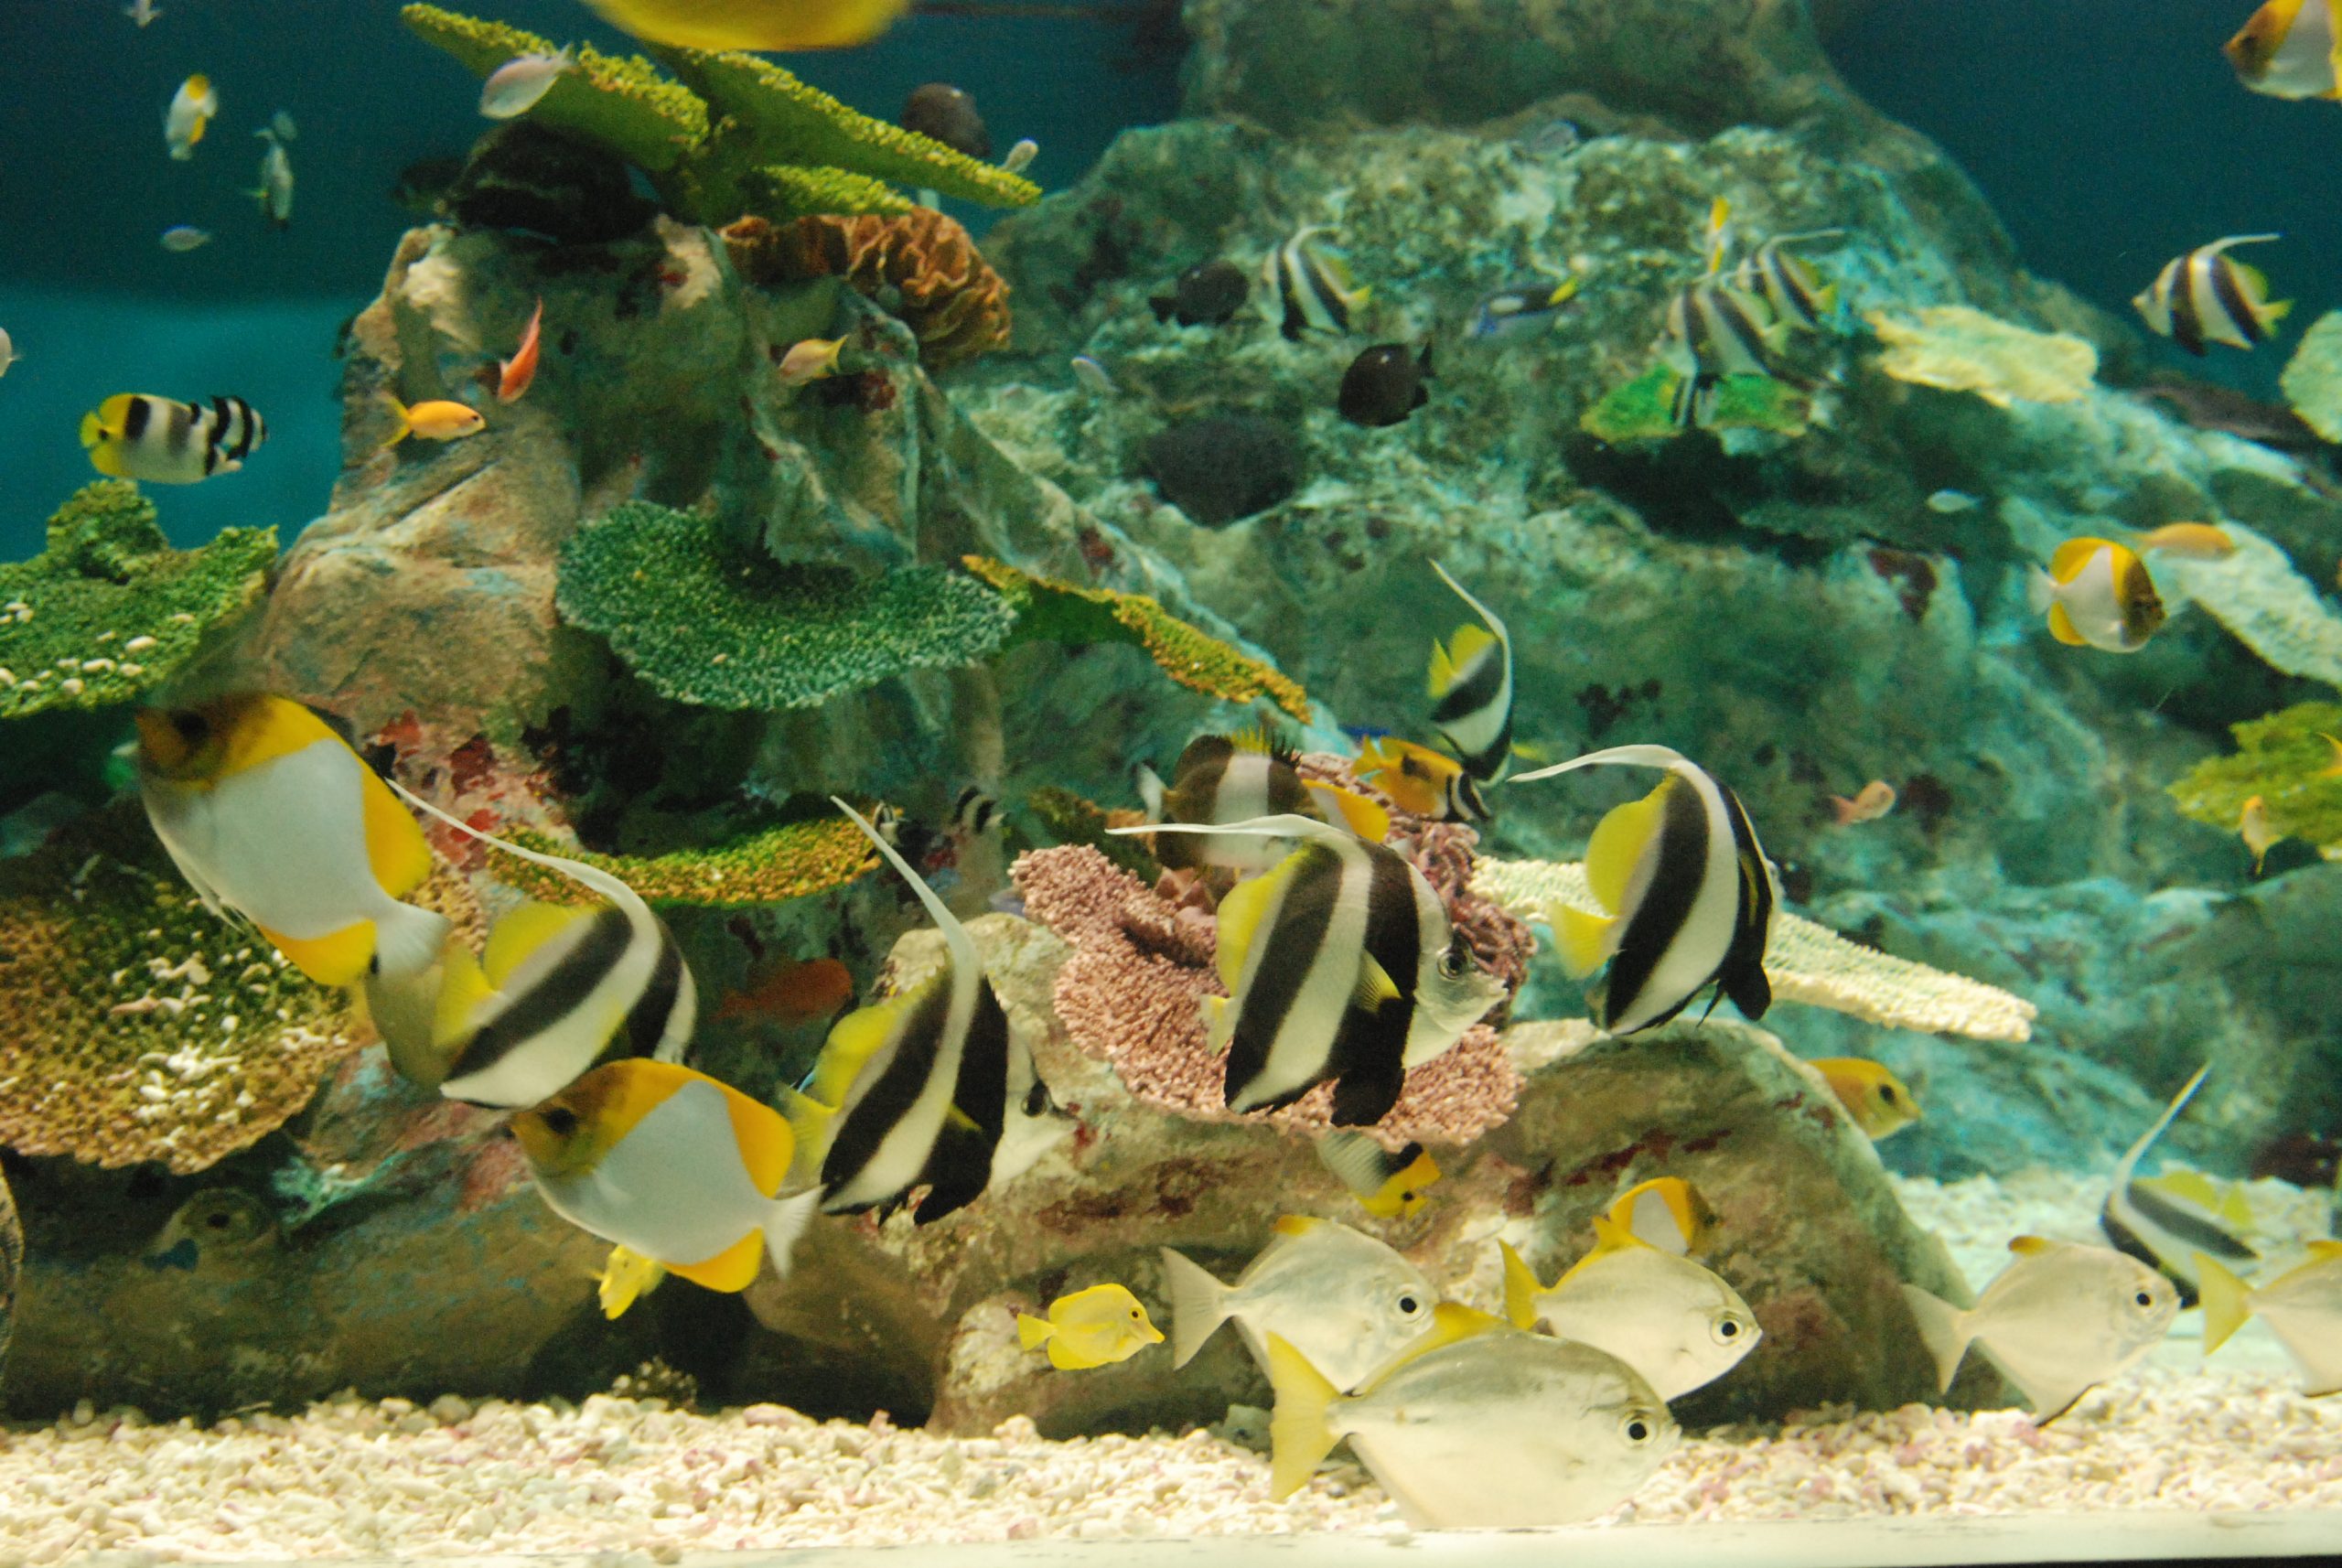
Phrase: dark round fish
{"type": "Point", "coordinates": [1206, 295]}
{"type": "Point", "coordinates": [1384, 384]}
{"type": "Point", "coordinates": [945, 113]}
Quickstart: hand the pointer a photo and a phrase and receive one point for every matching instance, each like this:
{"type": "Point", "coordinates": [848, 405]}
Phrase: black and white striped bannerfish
{"type": "Point", "coordinates": [1786, 281]}
{"type": "Point", "coordinates": [1471, 687]}
{"type": "Point", "coordinates": [1341, 967]}
{"type": "Point", "coordinates": [1686, 895]}
{"type": "Point", "coordinates": [1313, 288]}
{"type": "Point", "coordinates": [560, 989]}
{"type": "Point", "coordinates": [927, 1087]}
{"type": "Point", "coordinates": [2202, 297]}
{"type": "Point", "coordinates": [1236, 779]}
{"type": "Point", "coordinates": [1715, 329]}
{"type": "Point", "coordinates": [133, 435]}
{"type": "Point", "coordinates": [2164, 1228]}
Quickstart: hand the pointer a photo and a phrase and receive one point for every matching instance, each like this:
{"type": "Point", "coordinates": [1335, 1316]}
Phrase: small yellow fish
{"type": "Point", "coordinates": [1876, 1099]}
{"type": "Point", "coordinates": [192, 107]}
{"type": "Point", "coordinates": [627, 1277]}
{"type": "Point", "coordinates": [814, 359]}
{"type": "Point", "coordinates": [1872, 801]}
{"type": "Point", "coordinates": [2097, 593]}
{"type": "Point", "coordinates": [1666, 1212]}
{"type": "Point", "coordinates": [2195, 540]}
{"type": "Point", "coordinates": [2252, 826]}
{"type": "Point", "coordinates": [2286, 49]}
{"type": "Point", "coordinates": [1422, 782]}
{"type": "Point", "coordinates": [437, 420]}
{"type": "Point", "coordinates": [752, 24]}
{"type": "Point", "coordinates": [1093, 1327]}
{"type": "Point", "coordinates": [1387, 1182]}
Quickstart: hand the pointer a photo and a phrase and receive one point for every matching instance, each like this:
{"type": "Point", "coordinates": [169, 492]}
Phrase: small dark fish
{"type": "Point", "coordinates": [1384, 384]}
{"type": "Point", "coordinates": [945, 113]}
{"type": "Point", "coordinates": [1206, 295]}
{"type": "Point", "coordinates": [424, 185]}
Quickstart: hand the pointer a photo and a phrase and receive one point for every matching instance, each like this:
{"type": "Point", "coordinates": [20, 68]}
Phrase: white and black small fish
{"type": "Point", "coordinates": [1471, 690]}
{"type": "Point", "coordinates": [974, 812]}
{"type": "Point", "coordinates": [1314, 289]}
{"type": "Point", "coordinates": [1686, 893]}
{"type": "Point", "coordinates": [1235, 779]}
{"type": "Point", "coordinates": [1341, 968]}
{"type": "Point", "coordinates": [1520, 309]}
{"type": "Point", "coordinates": [2162, 1228]}
{"type": "Point", "coordinates": [2201, 296]}
{"type": "Point", "coordinates": [1786, 281]}
{"type": "Point", "coordinates": [131, 436]}
{"type": "Point", "coordinates": [1715, 329]}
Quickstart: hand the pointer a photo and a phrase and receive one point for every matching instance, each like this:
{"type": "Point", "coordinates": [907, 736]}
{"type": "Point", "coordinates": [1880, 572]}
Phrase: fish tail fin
{"type": "Point", "coordinates": [93, 430]}
{"type": "Point", "coordinates": [404, 1010]}
{"type": "Point", "coordinates": [405, 426]}
{"type": "Point", "coordinates": [2040, 591]}
{"type": "Point", "coordinates": [809, 1120]}
{"type": "Point", "coordinates": [1943, 1327]}
{"type": "Point", "coordinates": [1033, 1332]}
{"type": "Point", "coordinates": [1299, 1435]}
{"type": "Point", "coordinates": [408, 940]}
{"type": "Point", "coordinates": [1198, 1304]}
{"type": "Point", "coordinates": [785, 1222]}
{"type": "Point", "coordinates": [1520, 1289]}
{"type": "Point", "coordinates": [2224, 1301]}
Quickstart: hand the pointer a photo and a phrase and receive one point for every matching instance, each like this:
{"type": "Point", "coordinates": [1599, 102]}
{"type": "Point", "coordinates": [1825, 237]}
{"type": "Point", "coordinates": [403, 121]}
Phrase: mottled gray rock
{"type": "Point", "coordinates": [12, 1262]}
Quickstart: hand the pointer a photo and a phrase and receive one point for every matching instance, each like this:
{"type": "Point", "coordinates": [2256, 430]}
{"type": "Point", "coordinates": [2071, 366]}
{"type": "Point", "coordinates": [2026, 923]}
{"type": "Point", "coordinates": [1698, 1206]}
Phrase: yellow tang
{"type": "Point", "coordinates": [752, 24]}
{"type": "Point", "coordinates": [1093, 1327]}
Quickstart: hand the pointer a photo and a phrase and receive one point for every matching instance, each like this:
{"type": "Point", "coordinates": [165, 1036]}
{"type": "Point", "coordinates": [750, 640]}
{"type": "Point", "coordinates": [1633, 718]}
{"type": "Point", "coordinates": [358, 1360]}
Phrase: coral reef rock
{"type": "Point", "coordinates": [12, 1262]}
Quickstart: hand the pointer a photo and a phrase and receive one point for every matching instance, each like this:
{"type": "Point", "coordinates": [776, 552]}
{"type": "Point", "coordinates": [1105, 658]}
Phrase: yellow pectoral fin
{"type": "Point", "coordinates": [732, 1269]}
{"type": "Point", "coordinates": [2061, 627]}
{"type": "Point", "coordinates": [394, 846]}
{"type": "Point", "coordinates": [522, 931]}
{"type": "Point", "coordinates": [1617, 845]}
{"type": "Point", "coordinates": [338, 958]}
{"type": "Point", "coordinates": [1374, 985]}
{"type": "Point", "coordinates": [1584, 939]}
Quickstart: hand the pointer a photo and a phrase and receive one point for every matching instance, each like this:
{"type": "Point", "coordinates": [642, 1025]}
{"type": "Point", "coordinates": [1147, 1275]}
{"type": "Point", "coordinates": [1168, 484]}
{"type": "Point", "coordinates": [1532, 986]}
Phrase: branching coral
{"type": "Point", "coordinates": [952, 301]}
{"type": "Point", "coordinates": [1643, 409]}
{"type": "Point", "coordinates": [1961, 349]}
{"type": "Point", "coordinates": [705, 622]}
{"type": "Point", "coordinates": [110, 610]}
{"type": "Point", "coordinates": [1806, 963]}
{"type": "Point", "coordinates": [1132, 991]}
{"type": "Point", "coordinates": [1050, 610]}
{"type": "Point", "coordinates": [2286, 760]}
{"type": "Point", "coordinates": [794, 860]}
{"type": "Point", "coordinates": [2265, 603]}
{"type": "Point", "coordinates": [136, 1026]}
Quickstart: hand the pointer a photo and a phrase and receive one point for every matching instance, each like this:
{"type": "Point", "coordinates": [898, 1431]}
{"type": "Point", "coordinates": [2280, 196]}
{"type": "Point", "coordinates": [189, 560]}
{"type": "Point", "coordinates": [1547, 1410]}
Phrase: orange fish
{"type": "Point", "coordinates": [519, 371]}
{"type": "Point", "coordinates": [790, 993]}
{"type": "Point", "coordinates": [1872, 801]}
{"type": "Point", "coordinates": [2334, 768]}
{"type": "Point", "coordinates": [2195, 541]}
{"type": "Point", "coordinates": [2252, 827]}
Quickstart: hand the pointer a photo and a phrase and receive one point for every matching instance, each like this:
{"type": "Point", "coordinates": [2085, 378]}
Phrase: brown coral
{"type": "Point", "coordinates": [950, 297]}
{"type": "Point", "coordinates": [1132, 994]}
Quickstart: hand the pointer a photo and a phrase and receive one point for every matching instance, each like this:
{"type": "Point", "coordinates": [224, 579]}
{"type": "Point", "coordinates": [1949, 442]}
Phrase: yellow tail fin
{"type": "Point", "coordinates": [2225, 1307]}
{"type": "Point", "coordinates": [1520, 1289]}
{"type": "Point", "coordinates": [1034, 1332]}
{"type": "Point", "coordinates": [1299, 1436]}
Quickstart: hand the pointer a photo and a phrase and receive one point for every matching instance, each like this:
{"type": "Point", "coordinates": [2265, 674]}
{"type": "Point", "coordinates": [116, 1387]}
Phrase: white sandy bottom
{"type": "Point", "coordinates": [358, 1478]}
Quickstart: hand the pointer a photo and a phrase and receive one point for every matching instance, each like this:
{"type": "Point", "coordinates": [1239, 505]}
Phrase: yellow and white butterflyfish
{"type": "Point", "coordinates": [189, 115]}
{"type": "Point", "coordinates": [1471, 690]}
{"type": "Point", "coordinates": [674, 1167]}
{"type": "Point", "coordinates": [1341, 968]}
{"type": "Point", "coordinates": [560, 988]}
{"type": "Point", "coordinates": [2097, 593]}
{"type": "Point", "coordinates": [1665, 1212]}
{"type": "Point", "coordinates": [268, 812]}
{"type": "Point", "coordinates": [2205, 296]}
{"type": "Point", "coordinates": [1389, 1184]}
{"type": "Point", "coordinates": [1686, 896]}
{"type": "Point", "coordinates": [2291, 49]}
{"type": "Point", "coordinates": [134, 436]}
{"type": "Point", "coordinates": [752, 24]}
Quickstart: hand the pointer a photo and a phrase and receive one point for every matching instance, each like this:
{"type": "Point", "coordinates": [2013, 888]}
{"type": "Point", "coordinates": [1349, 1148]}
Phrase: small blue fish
{"type": "Point", "coordinates": [1520, 309]}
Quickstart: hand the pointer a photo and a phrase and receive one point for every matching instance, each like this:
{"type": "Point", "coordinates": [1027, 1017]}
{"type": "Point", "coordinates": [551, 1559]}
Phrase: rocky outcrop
{"type": "Point", "coordinates": [12, 1262]}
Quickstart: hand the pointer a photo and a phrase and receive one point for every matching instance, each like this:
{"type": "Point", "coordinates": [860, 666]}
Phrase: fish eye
{"type": "Point", "coordinates": [560, 1121]}
{"type": "Point", "coordinates": [1451, 962]}
{"type": "Point", "coordinates": [2144, 1298]}
{"type": "Point", "coordinates": [1411, 1306]}
{"type": "Point", "coordinates": [1729, 1327]}
{"type": "Point", "coordinates": [191, 727]}
{"type": "Point", "coordinates": [1886, 1092]}
{"type": "Point", "coordinates": [1037, 1099]}
{"type": "Point", "coordinates": [1636, 1428]}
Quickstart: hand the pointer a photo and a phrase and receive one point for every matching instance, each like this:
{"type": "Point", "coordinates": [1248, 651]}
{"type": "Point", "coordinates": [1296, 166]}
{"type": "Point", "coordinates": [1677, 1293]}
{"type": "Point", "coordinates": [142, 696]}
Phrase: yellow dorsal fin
{"type": "Point", "coordinates": [767, 1145]}
{"type": "Point", "coordinates": [1374, 985]}
{"type": "Point", "coordinates": [856, 1038]}
{"type": "Point", "coordinates": [461, 991]}
{"type": "Point", "coordinates": [1584, 939]}
{"type": "Point", "coordinates": [1296, 1224]}
{"type": "Point", "coordinates": [732, 1269]}
{"type": "Point", "coordinates": [395, 844]}
{"type": "Point", "coordinates": [2032, 1246]}
{"type": "Point", "coordinates": [2325, 1251]}
{"type": "Point", "coordinates": [1443, 671]}
{"type": "Point", "coordinates": [2072, 557]}
{"type": "Point", "coordinates": [1254, 739]}
{"type": "Point", "coordinates": [1240, 914]}
{"type": "Point", "coordinates": [1617, 845]}
{"type": "Point", "coordinates": [1520, 1289]}
{"type": "Point", "coordinates": [523, 932]}
{"type": "Point", "coordinates": [2061, 627]}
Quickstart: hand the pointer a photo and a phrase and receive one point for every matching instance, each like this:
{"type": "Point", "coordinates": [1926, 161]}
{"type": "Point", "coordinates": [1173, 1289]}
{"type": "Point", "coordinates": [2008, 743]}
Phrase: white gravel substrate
{"type": "Point", "coordinates": [359, 1478]}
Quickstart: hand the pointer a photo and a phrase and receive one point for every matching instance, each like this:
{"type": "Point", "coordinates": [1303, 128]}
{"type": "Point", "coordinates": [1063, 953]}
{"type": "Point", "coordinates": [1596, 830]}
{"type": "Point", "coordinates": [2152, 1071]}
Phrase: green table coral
{"type": "Point", "coordinates": [2284, 758]}
{"type": "Point", "coordinates": [1644, 409]}
{"type": "Point", "coordinates": [705, 622]}
{"type": "Point", "coordinates": [795, 860]}
{"type": "Point", "coordinates": [737, 136]}
{"type": "Point", "coordinates": [109, 611]}
{"type": "Point", "coordinates": [1049, 610]}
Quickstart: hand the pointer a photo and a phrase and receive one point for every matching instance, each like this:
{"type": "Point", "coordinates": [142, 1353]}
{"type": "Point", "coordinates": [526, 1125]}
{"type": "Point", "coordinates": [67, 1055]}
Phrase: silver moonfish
{"type": "Point", "coordinates": [1471, 690]}
{"type": "Point", "coordinates": [1492, 1430]}
{"type": "Point", "coordinates": [930, 1088]}
{"type": "Point", "coordinates": [1714, 329]}
{"type": "Point", "coordinates": [2203, 296]}
{"type": "Point", "coordinates": [1686, 893]}
{"type": "Point", "coordinates": [520, 83]}
{"type": "Point", "coordinates": [1313, 288]}
{"type": "Point", "coordinates": [1351, 1304]}
{"type": "Point", "coordinates": [2302, 1308]}
{"type": "Point", "coordinates": [275, 192]}
{"type": "Point", "coordinates": [1341, 967]}
{"type": "Point", "coordinates": [2057, 1320]}
{"type": "Point", "coordinates": [2165, 1226]}
{"type": "Point", "coordinates": [1680, 1325]}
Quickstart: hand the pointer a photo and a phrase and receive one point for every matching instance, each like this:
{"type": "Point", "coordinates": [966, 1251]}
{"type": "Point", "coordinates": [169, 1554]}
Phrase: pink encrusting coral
{"type": "Point", "coordinates": [1133, 993]}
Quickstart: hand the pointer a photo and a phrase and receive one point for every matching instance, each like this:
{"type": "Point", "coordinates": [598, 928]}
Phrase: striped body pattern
{"type": "Point", "coordinates": [2205, 296]}
{"type": "Point", "coordinates": [1471, 687]}
{"type": "Point", "coordinates": [1314, 291]}
{"type": "Point", "coordinates": [1715, 329]}
{"type": "Point", "coordinates": [162, 440]}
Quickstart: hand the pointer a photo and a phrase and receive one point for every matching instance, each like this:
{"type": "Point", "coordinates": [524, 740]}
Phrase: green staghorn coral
{"type": "Point", "coordinates": [135, 1025]}
{"type": "Point", "coordinates": [737, 136]}
{"type": "Point", "coordinates": [110, 610]}
{"type": "Point", "coordinates": [794, 860]}
{"type": "Point", "coordinates": [705, 622]}
{"type": "Point", "coordinates": [2284, 758]}
{"type": "Point", "coordinates": [1643, 409]}
{"type": "Point", "coordinates": [1060, 612]}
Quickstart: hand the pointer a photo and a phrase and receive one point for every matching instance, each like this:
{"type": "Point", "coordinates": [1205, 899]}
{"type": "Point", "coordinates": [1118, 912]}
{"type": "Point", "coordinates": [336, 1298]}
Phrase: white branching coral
{"type": "Point", "coordinates": [1806, 963]}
